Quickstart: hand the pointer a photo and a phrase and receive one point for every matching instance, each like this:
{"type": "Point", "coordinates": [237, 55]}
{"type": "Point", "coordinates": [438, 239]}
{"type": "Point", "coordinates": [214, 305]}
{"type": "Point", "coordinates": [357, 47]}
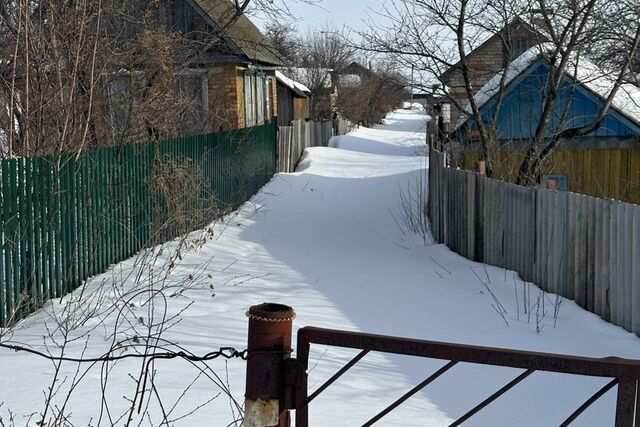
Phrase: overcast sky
{"type": "Point", "coordinates": [337, 13]}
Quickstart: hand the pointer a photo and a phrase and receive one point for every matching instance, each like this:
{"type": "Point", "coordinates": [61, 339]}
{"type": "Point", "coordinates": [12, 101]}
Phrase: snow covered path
{"type": "Point", "coordinates": [324, 240]}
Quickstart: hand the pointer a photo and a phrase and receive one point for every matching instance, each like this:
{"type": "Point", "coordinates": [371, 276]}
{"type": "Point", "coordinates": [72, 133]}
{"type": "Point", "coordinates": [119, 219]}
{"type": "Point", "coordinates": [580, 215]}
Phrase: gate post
{"type": "Point", "coordinates": [269, 344]}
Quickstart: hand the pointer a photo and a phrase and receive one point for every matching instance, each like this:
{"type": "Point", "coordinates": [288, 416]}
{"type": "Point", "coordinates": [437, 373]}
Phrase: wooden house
{"type": "Point", "coordinates": [239, 71]}
{"type": "Point", "coordinates": [231, 72]}
{"type": "Point", "coordinates": [604, 163]}
{"type": "Point", "coordinates": [293, 100]}
{"type": "Point", "coordinates": [489, 58]}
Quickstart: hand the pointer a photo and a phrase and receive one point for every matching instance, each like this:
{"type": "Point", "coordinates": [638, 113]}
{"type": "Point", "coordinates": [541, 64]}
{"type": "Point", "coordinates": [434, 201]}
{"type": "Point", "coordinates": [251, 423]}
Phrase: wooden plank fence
{"type": "Point", "coordinates": [294, 139]}
{"type": "Point", "coordinates": [64, 219]}
{"type": "Point", "coordinates": [343, 126]}
{"type": "Point", "coordinates": [580, 247]}
{"type": "Point", "coordinates": [609, 174]}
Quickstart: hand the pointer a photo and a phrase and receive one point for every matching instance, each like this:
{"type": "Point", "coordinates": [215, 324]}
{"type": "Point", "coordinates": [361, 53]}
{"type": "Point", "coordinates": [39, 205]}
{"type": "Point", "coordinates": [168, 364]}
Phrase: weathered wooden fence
{"type": "Point", "coordinates": [609, 174]}
{"type": "Point", "coordinates": [292, 141]}
{"type": "Point", "coordinates": [343, 126]}
{"type": "Point", "coordinates": [580, 247]}
{"type": "Point", "coordinates": [64, 219]}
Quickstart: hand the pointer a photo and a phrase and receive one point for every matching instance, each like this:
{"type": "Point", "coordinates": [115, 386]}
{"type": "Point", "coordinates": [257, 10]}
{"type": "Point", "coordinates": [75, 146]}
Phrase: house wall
{"type": "Point", "coordinates": [484, 62]}
{"type": "Point", "coordinates": [273, 95]}
{"type": "Point", "coordinates": [226, 96]}
{"type": "Point", "coordinates": [605, 163]}
{"type": "Point", "coordinates": [242, 110]}
{"type": "Point", "coordinates": [290, 106]}
{"type": "Point", "coordinates": [273, 84]}
{"type": "Point", "coordinates": [609, 174]}
{"type": "Point", "coordinates": [483, 65]}
{"type": "Point", "coordinates": [285, 105]}
{"type": "Point", "coordinates": [226, 111]}
{"type": "Point", "coordinates": [300, 108]}
{"type": "Point", "coordinates": [574, 106]}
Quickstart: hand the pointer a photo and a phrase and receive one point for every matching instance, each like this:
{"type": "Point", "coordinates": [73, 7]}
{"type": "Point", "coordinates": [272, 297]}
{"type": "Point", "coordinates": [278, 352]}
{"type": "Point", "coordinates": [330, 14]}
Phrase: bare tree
{"type": "Point", "coordinates": [434, 36]}
{"type": "Point", "coordinates": [283, 36]}
{"type": "Point", "coordinates": [75, 75]}
{"type": "Point", "coordinates": [367, 97]}
{"type": "Point", "coordinates": [324, 51]}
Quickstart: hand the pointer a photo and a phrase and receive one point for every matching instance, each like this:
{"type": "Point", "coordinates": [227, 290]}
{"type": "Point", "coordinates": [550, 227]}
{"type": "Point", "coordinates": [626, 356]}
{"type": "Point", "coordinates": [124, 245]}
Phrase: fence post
{"type": "Point", "coordinates": [269, 344]}
{"type": "Point", "coordinates": [482, 167]}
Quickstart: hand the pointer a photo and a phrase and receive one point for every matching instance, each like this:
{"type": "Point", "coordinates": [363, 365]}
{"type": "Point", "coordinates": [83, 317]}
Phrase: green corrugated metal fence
{"type": "Point", "coordinates": [64, 219]}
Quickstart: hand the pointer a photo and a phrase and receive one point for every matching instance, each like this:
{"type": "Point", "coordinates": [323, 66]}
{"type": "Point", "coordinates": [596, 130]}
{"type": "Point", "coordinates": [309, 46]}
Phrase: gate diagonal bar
{"type": "Point", "coordinates": [410, 393]}
{"type": "Point", "coordinates": [338, 374]}
{"type": "Point", "coordinates": [625, 373]}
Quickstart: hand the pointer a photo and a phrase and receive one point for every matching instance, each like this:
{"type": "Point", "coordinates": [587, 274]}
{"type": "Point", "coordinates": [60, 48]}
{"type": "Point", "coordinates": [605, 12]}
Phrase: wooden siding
{"type": "Point", "coordinates": [485, 61]}
{"type": "Point", "coordinates": [285, 105]}
{"type": "Point", "coordinates": [521, 108]}
{"type": "Point", "coordinates": [609, 174]}
{"type": "Point", "coordinates": [300, 108]}
{"type": "Point", "coordinates": [291, 107]}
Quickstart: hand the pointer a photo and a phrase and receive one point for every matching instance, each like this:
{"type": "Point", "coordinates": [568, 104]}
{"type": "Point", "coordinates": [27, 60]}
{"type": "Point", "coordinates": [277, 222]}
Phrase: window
{"type": "Point", "coordinates": [124, 91]}
{"type": "Point", "coordinates": [256, 98]}
{"type": "Point", "coordinates": [193, 90]}
{"type": "Point", "coordinates": [249, 84]}
{"type": "Point", "coordinates": [260, 99]}
{"type": "Point", "coordinates": [561, 181]}
{"type": "Point", "coordinates": [126, 94]}
{"type": "Point", "coordinates": [268, 100]}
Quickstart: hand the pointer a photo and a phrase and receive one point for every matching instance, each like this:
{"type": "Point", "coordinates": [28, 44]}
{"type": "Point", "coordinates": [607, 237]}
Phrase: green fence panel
{"type": "Point", "coordinates": [64, 218]}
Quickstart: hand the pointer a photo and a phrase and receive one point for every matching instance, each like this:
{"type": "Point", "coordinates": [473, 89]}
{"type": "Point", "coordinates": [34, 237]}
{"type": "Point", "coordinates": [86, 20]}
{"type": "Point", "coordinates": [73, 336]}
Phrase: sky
{"type": "Point", "coordinates": [337, 13]}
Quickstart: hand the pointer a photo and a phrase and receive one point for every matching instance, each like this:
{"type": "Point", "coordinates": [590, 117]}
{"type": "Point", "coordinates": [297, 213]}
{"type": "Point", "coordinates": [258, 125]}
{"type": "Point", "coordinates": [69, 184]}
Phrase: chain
{"type": "Point", "coordinates": [264, 319]}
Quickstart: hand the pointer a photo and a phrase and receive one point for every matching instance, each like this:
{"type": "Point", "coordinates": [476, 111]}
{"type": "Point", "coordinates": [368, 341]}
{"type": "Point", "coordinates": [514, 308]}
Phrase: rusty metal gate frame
{"type": "Point", "coordinates": [625, 373]}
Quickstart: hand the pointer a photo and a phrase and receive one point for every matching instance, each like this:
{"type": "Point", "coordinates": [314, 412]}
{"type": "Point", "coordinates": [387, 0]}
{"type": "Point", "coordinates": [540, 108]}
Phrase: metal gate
{"type": "Point", "coordinates": [272, 362]}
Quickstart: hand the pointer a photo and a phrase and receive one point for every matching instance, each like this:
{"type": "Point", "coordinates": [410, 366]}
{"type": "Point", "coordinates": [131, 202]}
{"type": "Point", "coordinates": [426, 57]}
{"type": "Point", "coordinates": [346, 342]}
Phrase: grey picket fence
{"type": "Point", "coordinates": [580, 247]}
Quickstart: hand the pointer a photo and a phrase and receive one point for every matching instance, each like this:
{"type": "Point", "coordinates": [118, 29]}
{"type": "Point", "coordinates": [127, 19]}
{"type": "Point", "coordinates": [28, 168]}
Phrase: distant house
{"type": "Point", "coordinates": [293, 100]}
{"type": "Point", "coordinates": [352, 75]}
{"type": "Point", "coordinates": [233, 80]}
{"type": "Point", "coordinates": [604, 163]}
{"type": "Point", "coordinates": [364, 95]}
{"type": "Point", "coordinates": [490, 58]}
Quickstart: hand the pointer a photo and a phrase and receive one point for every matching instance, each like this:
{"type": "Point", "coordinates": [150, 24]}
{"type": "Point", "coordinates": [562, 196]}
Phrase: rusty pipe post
{"type": "Point", "coordinates": [482, 167]}
{"type": "Point", "coordinates": [269, 344]}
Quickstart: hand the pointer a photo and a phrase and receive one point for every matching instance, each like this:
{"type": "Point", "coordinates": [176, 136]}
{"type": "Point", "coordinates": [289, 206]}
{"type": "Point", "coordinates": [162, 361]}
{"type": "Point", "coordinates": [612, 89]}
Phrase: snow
{"type": "Point", "coordinates": [292, 84]}
{"type": "Point", "coordinates": [627, 99]}
{"type": "Point", "coordinates": [324, 240]}
{"type": "Point", "coordinates": [397, 137]}
{"type": "Point", "coordinates": [416, 106]}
